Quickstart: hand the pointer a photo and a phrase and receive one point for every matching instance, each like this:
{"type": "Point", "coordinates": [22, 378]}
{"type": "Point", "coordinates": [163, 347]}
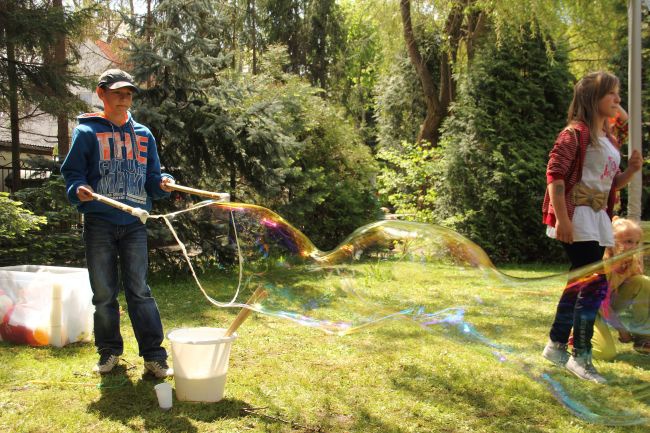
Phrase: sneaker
{"type": "Point", "coordinates": [106, 363]}
{"type": "Point", "coordinates": [642, 346]}
{"type": "Point", "coordinates": [581, 366]}
{"type": "Point", "coordinates": [556, 353]}
{"type": "Point", "coordinates": [159, 368]}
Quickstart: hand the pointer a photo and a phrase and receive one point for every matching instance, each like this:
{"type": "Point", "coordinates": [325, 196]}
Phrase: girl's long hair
{"type": "Point", "coordinates": [586, 94]}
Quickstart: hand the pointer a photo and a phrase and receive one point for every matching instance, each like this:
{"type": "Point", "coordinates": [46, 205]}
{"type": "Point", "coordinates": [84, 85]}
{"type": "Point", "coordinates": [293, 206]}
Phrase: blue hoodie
{"type": "Point", "coordinates": [119, 162]}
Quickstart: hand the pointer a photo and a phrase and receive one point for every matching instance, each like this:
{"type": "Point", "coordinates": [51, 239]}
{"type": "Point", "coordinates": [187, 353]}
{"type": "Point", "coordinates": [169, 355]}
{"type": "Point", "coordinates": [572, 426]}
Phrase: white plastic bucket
{"type": "Point", "coordinates": [200, 357]}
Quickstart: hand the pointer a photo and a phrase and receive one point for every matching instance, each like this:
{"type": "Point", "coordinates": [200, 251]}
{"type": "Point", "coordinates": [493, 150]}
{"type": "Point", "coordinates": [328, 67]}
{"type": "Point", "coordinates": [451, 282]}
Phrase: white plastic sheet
{"type": "Point", "coordinates": [45, 305]}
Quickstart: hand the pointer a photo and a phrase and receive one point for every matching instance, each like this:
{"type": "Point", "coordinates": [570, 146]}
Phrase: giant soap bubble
{"type": "Point", "coordinates": [421, 274]}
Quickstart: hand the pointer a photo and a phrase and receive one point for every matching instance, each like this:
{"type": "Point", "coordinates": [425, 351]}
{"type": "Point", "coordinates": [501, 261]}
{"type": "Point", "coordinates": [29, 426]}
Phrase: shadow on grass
{"type": "Point", "coordinates": [364, 420]}
{"type": "Point", "coordinates": [630, 357]}
{"type": "Point", "coordinates": [70, 349]}
{"type": "Point", "coordinates": [134, 404]}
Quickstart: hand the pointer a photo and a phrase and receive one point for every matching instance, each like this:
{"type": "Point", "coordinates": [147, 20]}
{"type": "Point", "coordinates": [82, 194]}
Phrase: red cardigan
{"type": "Point", "coordinates": [565, 162]}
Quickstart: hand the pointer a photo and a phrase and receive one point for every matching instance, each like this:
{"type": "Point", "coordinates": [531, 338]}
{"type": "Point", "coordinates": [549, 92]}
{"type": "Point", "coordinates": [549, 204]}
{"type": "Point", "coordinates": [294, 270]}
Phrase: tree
{"type": "Point", "coordinates": [205, 119]}
{"type": "Point", "coordinates": [32, 77]}
{"type": "Point", "coordinates": [109, 17]}
{"type": "Point", "coordinates": [251, 25]}
{"type": "Point", "coordinates": [53, 242]}
{"type": "Point", "coordinates": [15, 220]}
{"type": "Point", "coordinates": [312, 32]}
{"type": "Point", "coordinates": [399, 103]}
{"type": "Point", "coordinates": [8, 32]}
{"type": "Point", "coordinates": [358, 69]}
{"type": "Point", "coordinates": [486, 178]}
{"type": "Point", "coordinates": [327, 191]}
{"type": "Point", "coordinates": [462, 23]}
{"type": "Point", "coordinates": [283, 22]}
{"type": "Point", "coordinates": [326, 40]}
{"type": "Point", "coordinates": [60, 60]}
{"type": "Point", "coordinates": [495, 145]}
{"type": "Point", "coordinates": [588, 29]}
{"type": "Point", "coordinates": [179, 54]}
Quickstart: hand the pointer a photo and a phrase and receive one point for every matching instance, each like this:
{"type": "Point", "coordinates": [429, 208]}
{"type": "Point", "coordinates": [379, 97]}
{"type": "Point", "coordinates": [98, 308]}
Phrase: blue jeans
{"type": "Point", "coordinates": [580, 300]}
{"type": "Point", "coordinates": [111, 249]}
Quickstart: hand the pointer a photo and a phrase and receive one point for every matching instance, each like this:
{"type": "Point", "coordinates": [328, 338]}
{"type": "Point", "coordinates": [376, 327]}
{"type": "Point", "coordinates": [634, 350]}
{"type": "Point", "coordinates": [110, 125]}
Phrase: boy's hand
{"type": "Point", "coordinates": [164, 182]}
{"type": "Point", "coordinates": [85, 193]}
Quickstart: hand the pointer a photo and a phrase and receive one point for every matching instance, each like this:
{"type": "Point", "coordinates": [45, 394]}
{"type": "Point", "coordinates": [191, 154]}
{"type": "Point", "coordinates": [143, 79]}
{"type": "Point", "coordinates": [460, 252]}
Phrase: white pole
{"type": "Point", "coordinates": [56, 327]}
{"type": "Point", "coordinates": [634, 103]}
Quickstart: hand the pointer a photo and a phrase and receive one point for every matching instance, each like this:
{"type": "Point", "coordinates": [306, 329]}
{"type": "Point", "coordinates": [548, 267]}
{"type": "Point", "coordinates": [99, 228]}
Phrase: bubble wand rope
{"type": "Point", "coordinates": [218, 197]}
{"type": "Point", "coordinates": [196, 279]}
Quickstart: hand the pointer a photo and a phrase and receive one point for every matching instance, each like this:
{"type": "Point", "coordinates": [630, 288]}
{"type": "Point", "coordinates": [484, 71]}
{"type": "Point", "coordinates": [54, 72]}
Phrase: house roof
{"type": "Point", "coordinates": [34, 149]}
{"type": "Point", "coordinates": [107, 50]}
{"type": "Point", "coordinates": [35, 133]}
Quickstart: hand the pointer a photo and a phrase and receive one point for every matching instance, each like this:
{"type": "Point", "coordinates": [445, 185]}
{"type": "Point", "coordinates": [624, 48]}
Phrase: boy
{"type": "Point", "coordinates": [117, 157]}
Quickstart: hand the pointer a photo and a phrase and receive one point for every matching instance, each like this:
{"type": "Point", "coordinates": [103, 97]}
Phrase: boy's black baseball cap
{"type": "Point", "coordinates": [116, 79]}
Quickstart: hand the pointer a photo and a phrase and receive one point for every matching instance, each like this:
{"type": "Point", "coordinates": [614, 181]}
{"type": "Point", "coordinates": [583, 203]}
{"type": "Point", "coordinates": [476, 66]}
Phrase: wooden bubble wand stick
{"type": "Point", "coordinates": [257, 296]}
{"type": "Point", "coordinates": [219, 196]}
{"type": "Point", "coordinates": [135, 211]}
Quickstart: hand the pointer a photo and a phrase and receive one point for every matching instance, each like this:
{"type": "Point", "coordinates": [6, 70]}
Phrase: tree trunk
{"type": "Point", "coordinates": [429, 128]}
{"type": "Point", "coordinates": [13, 111]}
{"type": "Point", "coordinates": [233, 182]}
{"type": "Point", "coordinates": [253, 25]}
{"type": "Point", "coordinates": [148, 24]}
{"type": "Point", "coordinates": [233, 39]}
{"type": "Point", "coordinates": [454, 34]}
{"type": "Point", "coordinates": [438, 98]}
{"type": "Point", "coordinates": [475, 28]}
{"type": "Point", "coordinates": [63, 137]}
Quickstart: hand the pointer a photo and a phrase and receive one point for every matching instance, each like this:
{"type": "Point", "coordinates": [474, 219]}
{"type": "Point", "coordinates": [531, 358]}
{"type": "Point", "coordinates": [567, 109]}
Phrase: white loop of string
{"type": "Point", "coordinates": [167, 217]}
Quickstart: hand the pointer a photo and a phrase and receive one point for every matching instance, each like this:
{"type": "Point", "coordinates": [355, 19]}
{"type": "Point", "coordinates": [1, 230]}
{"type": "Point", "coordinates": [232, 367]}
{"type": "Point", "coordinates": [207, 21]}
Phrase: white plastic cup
{"type": "Point", "coordinates": [200, 357]}
{"type": "Point", "coordinates": [164, 394]}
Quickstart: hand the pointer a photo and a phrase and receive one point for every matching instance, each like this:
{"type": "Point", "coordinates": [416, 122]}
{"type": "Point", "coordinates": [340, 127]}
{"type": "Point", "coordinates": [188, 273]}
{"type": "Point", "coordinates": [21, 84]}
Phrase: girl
{"type": "Point", "coordinates": [629, 290]}
{"type": "Point", "coordinates": [582, 178]}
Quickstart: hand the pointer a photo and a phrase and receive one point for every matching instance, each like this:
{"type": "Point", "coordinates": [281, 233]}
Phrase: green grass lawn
{"type": "Point", "coordinates": [283, 377]}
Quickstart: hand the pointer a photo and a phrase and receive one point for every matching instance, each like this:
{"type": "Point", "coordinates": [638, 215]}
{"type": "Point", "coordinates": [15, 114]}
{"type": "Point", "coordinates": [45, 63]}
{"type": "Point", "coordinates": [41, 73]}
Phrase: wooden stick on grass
{"type": "Point", "coordinates": [257, 296]}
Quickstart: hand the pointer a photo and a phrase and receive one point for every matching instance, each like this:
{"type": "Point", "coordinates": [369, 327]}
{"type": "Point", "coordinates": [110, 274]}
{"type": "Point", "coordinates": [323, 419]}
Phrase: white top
{"type": "Point", "coordinates": [600, 167]}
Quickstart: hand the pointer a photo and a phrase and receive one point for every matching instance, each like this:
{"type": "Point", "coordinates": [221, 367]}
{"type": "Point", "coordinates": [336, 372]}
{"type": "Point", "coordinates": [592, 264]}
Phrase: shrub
{"type": "Point", "coordinates": [58, 242]}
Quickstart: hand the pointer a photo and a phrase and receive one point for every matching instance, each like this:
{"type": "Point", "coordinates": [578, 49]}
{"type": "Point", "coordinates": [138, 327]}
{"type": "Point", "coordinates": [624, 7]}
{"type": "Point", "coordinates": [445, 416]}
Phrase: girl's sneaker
{"type": "Point", "coordinates": [556, 353]}
{"type": "Point", "coordinates": [642, 346]}
{"type": "Point", "coordinates": [581, 366]}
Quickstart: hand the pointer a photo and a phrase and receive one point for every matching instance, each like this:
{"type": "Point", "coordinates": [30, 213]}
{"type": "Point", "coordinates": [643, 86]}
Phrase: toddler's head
{"type": "Point", "coordinates": [627, 235]}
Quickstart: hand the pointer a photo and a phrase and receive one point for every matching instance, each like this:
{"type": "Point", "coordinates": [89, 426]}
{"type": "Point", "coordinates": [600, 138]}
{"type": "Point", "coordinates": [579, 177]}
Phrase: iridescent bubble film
{"type": "Point", "coordinates": [421, 274]}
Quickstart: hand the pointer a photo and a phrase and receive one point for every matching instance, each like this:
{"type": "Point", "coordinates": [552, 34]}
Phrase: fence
{"type": "Point", "coordinates": [29, 176]}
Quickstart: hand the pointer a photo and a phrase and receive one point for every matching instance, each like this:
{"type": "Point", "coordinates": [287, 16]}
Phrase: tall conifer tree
{"type": "Point", "coordinates": [495, 146]}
